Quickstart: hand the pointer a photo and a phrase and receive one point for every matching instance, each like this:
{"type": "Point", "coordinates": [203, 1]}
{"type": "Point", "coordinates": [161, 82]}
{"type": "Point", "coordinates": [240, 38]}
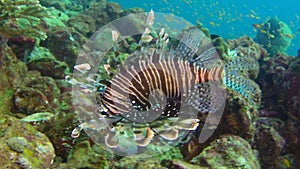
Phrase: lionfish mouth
{"type": "Point", "coordinates": [156, 94]}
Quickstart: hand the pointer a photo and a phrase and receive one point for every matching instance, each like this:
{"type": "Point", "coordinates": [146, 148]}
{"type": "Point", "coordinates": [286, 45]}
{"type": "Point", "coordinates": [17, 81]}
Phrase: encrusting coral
{"type": "Point", "coordinates": [22, 18]}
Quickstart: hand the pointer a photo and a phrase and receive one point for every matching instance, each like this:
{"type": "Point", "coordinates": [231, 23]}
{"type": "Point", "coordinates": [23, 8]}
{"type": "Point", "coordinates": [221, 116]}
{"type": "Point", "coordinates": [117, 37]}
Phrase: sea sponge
{"type": "Point", "coordinates": [274, 35]}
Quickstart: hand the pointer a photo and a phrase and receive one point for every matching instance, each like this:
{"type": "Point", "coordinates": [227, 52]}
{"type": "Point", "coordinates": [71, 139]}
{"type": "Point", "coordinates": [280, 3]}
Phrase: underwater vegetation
{"type": "Point", "coordinates": [45, 54]}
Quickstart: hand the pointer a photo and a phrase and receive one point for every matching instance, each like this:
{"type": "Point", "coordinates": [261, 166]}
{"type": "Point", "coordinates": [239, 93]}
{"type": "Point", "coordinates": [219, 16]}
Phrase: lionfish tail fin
{"type": "Point", "coordinates": [234, 80]}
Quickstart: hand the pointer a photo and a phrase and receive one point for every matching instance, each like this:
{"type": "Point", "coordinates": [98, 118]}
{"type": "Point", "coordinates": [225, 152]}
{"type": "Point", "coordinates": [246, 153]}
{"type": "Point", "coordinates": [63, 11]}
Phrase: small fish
{"type": "Point", "coordinates": [263, 31]}
{"type": "Point", "coordinates": [212, 23]}
{"type": "Point", "coordinates": [271, 35]}
{"type": "Point", "coordinates": [287, 163]}
{"type": "Point", "coordinates": [258, 26]}
{"type": "Point", "coordinates": [291, 36]}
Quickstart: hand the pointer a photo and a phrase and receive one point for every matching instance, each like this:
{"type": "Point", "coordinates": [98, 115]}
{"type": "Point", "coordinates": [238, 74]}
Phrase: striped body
{"type": "Point", "coordinates": [168, 80]}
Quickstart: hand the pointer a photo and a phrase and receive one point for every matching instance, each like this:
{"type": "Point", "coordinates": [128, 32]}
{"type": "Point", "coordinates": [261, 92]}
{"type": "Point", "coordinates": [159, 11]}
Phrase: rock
{"type": "Point", "coordinates": [29, 100]}
{"type": "Point", "coordinates": [42, 60]}
{"type": "Point", "coordinates": [113, 10]}
{"type": "Point", "coordinates": [269, 144]}
{"type": "Point", "coordinates": [83, 155]}
{"type": "Point", "coordinates": [58, 20]}
{"type": "Point", "coordinates": [12, 74]}
{"type": "Point", "coordinates": [22, 146]}
{"type": "Point", "coordinates": [65, 45]}
{"type": "Point", "coordinates": [47, 86]}
{"type": "Point", "coordinates": [135, 162]}
{"type": "Point", "coordinates": [228, 151]}
{"type": "Point", "coordinates": [179, 164]}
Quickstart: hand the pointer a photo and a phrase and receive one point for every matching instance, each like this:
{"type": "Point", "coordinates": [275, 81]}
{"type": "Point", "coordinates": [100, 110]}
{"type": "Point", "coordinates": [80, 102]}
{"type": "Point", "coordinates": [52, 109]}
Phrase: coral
{"type": "Point", "coordinates": [138, 163]}
{"type": "Point", "coordinates": [275, 36]}
{"type": "Point", "coordinates": [57, 21]}
{"type": "Point", "coordinates": [46, 63]}
{"type": "Point", "coordinates": [129, 11]}
{"type": "Point", "coordinates": [30, 100]}
{"type": "Point", "coordinates": [17, 144]}
{"type": "Point", "coordinates": [239, 117]}
{"type": "Point", "coordinates": [113, 10]}
{"type": "Point", "coordinates": [221, 46]}
{"type": "Point", "coordinates": [64, 44]}
{"type": "Point", "coordinates": [84, 24]}
{"type": "Point", "coordinates": [279, 141]}
{"type": "Point", "coordinates": [164, 153]}
{"type": "Point", "coordinates": [227, 152]}
{"type": "Point", "coordinates": [183, 165]}
{"type": "Point", "coordinates": [22, 146]}
{"type": "Point", "coordinates": [272, 83]}
{"type": "Point", "coordinates": [92, 158]}
{"type": "Point", "coordinates": [93, 18]}
{"type": "Point", "coordinates": [12, 73]}
{"type": "Point", "coordinates": [46, 85]}
{"type": "Point", "coordinates": [22, 18]}
{"type": "Point", "coordinates": [59, 5]}
{"type": "Point", "coordinates": [280, 81]}
{"type": "Point", "coordinates": [269, 144]}
{"type": "Point", "coordinates": [245, 46]}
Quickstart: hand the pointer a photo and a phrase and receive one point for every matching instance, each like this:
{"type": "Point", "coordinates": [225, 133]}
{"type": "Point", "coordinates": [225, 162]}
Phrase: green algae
{"type": "Point", "coordinates": [22, 18]}
{"type": "Point", "coordinates": [228, 152]}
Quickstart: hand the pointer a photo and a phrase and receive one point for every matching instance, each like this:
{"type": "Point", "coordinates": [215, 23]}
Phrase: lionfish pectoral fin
{"type": "Point", "coordinates": [169, 134]}
{"type": "Point", "coordinates": [143, 140]}
{"type": "Point", "coordinates": [112, 139]}
{"type": "Point", "coordinates": [211, 123]}
{"type": "Point", "coordinates": [234, 80]}
{"type": "Point", "coordinates": [188, 124]}
{"type": "Point", "coordinates": [208, 103]}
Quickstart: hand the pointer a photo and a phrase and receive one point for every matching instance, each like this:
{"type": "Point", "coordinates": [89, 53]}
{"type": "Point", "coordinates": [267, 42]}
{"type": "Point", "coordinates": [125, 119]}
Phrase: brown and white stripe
{"type": "Point", "coordinates": [131, 87]}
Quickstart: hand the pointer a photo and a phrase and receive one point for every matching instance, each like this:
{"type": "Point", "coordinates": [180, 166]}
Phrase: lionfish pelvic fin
{"type": "Point", "coordinates": [143, 139]}
{"type": "Point", "coordinates": [169, 133]}
{"type": "Point", "coordinates": [112, 139]}
{"type": "Point", "coordinates": [187, 124]}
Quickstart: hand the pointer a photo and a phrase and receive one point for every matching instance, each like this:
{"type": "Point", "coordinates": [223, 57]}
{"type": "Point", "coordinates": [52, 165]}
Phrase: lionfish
{"type": "Point", "coordinates": [161, 90]}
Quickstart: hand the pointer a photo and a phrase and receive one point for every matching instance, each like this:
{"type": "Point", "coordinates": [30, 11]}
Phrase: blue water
{"type": "Point", "coordinates": [230, 18]}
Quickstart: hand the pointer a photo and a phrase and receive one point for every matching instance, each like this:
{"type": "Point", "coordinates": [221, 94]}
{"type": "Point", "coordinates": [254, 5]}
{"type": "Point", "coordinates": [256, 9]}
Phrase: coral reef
{"type": "Point", "coordinates": [95, 156]}
{"type": "Point", "coordinates": [228, 152]}
{"type": "Point", "coordinates": [12, 73]}
{"type": "Point", "coordinates": [64, 44]}
{"type": "Point", "coordinates": [23, 18]}
{"type": "Point", "coordinates": [38, 45]}
{"type": "Point", "coordinates": [279, 80]}
{"type": "Point", "coordinates": [275, 36]}
{"type": "Point", "coordinates": [246, 46]}
{"type": "Point", "coordinates": [42, 60]}
{"type": "Point", "coordinates": [22, 146]}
